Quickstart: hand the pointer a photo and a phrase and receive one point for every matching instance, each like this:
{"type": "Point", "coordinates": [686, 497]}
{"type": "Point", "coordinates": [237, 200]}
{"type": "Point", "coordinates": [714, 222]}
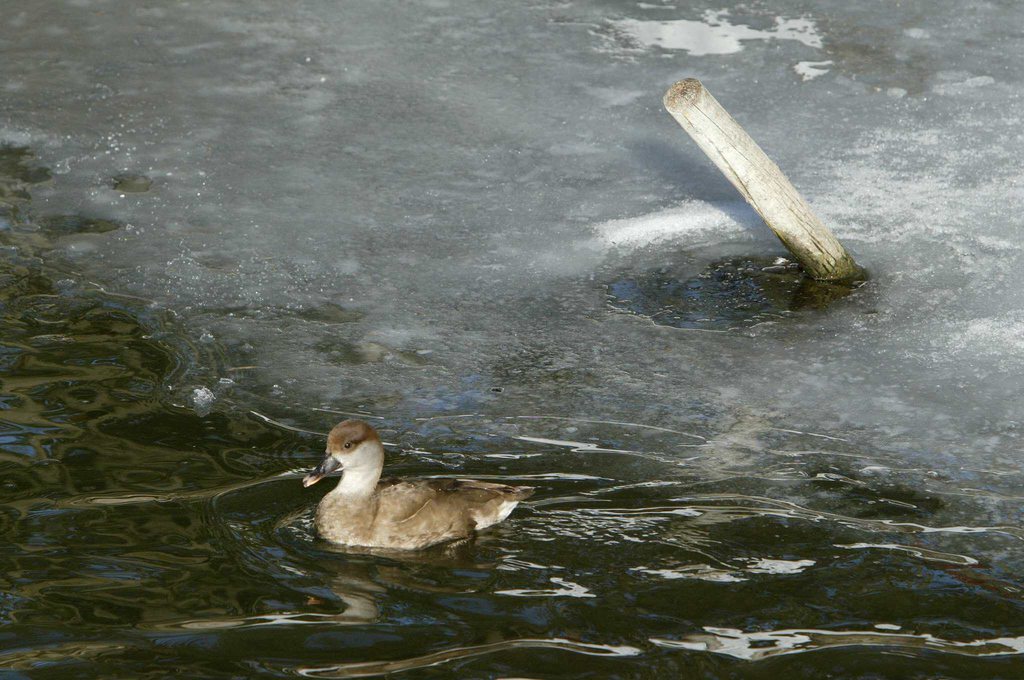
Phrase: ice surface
{"type": "Point", "coordinates": [413, 209]}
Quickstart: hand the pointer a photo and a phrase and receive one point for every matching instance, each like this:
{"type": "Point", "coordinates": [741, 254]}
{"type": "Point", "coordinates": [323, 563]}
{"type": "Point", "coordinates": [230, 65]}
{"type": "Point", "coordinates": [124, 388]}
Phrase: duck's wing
{"type": "Point", "coordinates": [414, 515]}
{"type": "Point", "coordinates": [461, 505]}
{"type": "Point", "coordinates": [473, 490]}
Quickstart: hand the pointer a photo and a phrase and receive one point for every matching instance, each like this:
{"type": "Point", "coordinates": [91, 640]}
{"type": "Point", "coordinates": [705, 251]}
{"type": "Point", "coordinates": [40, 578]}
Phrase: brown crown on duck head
{"type": "Point", "coordinates": [344, 439]}
{"type": "Point", "coordinates": [349, 434]}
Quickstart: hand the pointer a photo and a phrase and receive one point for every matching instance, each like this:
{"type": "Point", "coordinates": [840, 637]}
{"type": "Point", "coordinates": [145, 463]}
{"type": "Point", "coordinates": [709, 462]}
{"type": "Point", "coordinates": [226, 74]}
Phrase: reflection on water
{"type": "Point", "coordinates": [140, 539]}
{"type": "Point", "coordinates": [762, 645]}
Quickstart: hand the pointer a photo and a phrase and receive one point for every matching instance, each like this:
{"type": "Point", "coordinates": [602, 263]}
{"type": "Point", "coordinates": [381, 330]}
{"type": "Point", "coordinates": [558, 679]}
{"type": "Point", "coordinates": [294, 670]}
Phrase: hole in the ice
{"type": "Point", "coordinates": [341, 352]}
{"type": "Point", "coordinates": [332, 313]}
{"type": "Point", "coordinates": [64, 225]}
{"type": "Point", "coordinates": [18, 171]}
{"type": "Point", "coordinates": [18, 164]}
{"type": "Point", "coordinates": [134, 184]}
{"type": "Point", "coordinates": [735, 293]}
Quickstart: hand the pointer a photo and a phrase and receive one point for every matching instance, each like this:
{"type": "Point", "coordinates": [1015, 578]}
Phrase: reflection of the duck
{"type": "Point", "coordinates": [360, 598]}
{"type": "Point", "coordinates": [359, 579]}
{"type": "Point", "coordinates": [365, 574]}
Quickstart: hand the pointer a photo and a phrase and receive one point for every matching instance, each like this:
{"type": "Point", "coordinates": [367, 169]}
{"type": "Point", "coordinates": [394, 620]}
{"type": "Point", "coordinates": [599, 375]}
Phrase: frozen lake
{"type": "Point", "coordinates": [470, 222]}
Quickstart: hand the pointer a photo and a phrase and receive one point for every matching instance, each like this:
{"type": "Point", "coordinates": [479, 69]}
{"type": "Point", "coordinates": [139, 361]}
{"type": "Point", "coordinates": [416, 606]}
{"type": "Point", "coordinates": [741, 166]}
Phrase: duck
{"type": "Point", "coordinates": [366, 511]}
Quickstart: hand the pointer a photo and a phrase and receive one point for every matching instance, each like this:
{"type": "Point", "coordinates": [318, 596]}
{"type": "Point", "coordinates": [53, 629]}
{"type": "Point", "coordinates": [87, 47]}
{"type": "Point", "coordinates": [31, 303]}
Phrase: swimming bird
{"type": "Point", "coordinates": [368, 512]}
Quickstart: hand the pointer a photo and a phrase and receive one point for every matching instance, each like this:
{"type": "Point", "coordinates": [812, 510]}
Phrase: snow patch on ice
{"type": "Point", "coordinates": [714, 33]}
{"type": "Point", "coordinates": [964, 86]}
{"type": "Point", "coordinates": [809, 70]}
{"type": "Point", "coordinates": [612, 96]}
{"type": "Point", "coordinates": [693, 221]}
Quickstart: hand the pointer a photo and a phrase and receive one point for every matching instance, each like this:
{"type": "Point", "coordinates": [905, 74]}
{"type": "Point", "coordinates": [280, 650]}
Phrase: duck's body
{"type": "Point", "coordinates": [400, 514]}
{"type": "Point", "coordinates": [409, 515]}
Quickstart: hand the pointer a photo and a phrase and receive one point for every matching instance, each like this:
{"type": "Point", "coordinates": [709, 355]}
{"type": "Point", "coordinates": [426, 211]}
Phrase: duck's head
{"type": "Point", "coordinates": [351, 445]}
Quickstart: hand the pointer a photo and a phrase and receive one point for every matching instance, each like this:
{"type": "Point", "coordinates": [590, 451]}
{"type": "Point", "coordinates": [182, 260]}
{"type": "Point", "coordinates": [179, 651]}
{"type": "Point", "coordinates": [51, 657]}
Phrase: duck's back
{"type": "Point", "coordinates": [419, 513]}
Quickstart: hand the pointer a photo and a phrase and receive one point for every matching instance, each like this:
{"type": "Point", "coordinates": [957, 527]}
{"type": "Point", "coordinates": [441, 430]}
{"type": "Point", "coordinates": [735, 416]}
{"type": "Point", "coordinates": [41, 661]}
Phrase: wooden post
{"type": "Point", "coordinates": [760, 181]}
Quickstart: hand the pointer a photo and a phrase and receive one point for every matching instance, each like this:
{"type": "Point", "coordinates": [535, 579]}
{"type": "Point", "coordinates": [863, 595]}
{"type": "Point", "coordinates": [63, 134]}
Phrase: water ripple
{"type": "Point", "coordinates": [923, 553]}
{"type": "Point", "coordinates": [371, 668]}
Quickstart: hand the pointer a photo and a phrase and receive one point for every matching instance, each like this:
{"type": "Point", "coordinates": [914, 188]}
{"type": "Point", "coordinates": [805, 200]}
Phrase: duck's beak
{"type": "Point", "coordinates": [328, 465]}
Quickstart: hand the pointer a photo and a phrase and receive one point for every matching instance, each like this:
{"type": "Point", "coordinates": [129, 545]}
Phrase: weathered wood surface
{"type": "Point", "coordinates": [760, 181]}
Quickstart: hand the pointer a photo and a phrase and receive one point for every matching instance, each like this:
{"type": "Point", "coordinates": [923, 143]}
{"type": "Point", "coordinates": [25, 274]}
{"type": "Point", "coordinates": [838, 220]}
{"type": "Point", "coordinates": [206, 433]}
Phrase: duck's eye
{"type": "Point", "coordinates": [348, 445]}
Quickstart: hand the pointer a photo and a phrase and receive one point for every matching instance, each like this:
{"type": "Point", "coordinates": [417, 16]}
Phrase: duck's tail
{"type": "Point", "coordinates": [521, 492]}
